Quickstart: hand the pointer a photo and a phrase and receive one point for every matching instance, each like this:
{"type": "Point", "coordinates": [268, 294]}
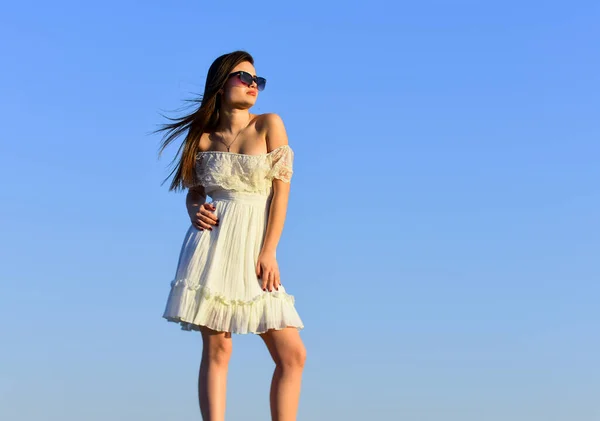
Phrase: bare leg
{"type": "Point", "coordinates": [289, 355]}
{"type": "Point", "coordinates": [212, 380]}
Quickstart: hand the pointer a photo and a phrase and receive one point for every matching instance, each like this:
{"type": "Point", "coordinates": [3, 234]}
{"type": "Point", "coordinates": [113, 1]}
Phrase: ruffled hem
{"type": "Point", "coordinates": [196, 306]}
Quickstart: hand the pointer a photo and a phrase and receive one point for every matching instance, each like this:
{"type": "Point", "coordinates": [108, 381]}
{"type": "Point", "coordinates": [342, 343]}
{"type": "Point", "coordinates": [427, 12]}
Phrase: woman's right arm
{"type": "Point", "coordinates": [200, 213]}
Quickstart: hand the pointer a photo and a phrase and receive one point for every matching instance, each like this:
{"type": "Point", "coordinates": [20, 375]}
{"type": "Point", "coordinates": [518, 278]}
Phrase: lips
{"type": "Point", "coordinates": [253, 93]}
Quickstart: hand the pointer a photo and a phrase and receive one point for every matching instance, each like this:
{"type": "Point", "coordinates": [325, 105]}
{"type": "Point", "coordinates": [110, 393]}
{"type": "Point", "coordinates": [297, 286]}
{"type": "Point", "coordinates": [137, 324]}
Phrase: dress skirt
{"type": "Point", "coordinates": [216, 283]}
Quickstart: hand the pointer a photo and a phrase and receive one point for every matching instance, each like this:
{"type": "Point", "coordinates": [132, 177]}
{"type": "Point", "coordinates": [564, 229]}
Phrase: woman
{"type": "Point", "coordinates": [227, 280]}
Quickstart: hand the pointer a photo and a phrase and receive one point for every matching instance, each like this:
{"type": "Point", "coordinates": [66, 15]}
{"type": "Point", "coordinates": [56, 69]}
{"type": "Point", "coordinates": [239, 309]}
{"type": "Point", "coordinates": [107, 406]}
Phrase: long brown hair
{"type": "Point", "coordinates": [204, 119]}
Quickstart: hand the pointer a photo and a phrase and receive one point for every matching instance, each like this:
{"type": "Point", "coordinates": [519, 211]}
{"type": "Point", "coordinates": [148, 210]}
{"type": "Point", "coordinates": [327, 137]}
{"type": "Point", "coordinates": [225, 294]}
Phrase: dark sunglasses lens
{"type": "Point", "coordinates": [246, 78]}
{"type": "Point", "coordinates": [261, 82]}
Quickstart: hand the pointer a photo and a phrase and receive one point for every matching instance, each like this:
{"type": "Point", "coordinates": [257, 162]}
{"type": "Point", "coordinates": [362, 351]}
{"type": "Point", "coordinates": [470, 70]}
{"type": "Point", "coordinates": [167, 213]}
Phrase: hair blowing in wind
{"type": "Point", "coordinates": [204, 119]}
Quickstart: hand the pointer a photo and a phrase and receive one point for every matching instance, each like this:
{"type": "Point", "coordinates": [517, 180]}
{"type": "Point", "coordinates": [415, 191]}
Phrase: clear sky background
{"type": "Point", "coordinates": [443, 233]}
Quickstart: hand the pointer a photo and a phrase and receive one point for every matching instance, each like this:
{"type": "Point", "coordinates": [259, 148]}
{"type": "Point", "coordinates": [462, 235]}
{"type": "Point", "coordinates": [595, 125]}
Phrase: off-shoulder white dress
{"type": "Point", "coordinates": [215, 284]}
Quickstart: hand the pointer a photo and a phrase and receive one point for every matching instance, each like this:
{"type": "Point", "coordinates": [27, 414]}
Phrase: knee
{"type": "Point", "coordinates": [294, 358]}
{"type": "Point", "coordinates": [218, 352]}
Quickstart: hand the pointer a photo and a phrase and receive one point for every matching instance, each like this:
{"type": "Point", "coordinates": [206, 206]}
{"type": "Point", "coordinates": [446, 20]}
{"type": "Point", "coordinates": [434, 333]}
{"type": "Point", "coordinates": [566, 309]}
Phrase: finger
{"type": "Point", "coordinates": [210, 207]}
{"type": "Point", "coordinates": [211, 218]}
{"type": "Point", "coordinates": [207, 213]}
{"type": "Point", "coordinates": [265, 280]}
{"type": "Point", "coordinates": [202, 210]}
{"type": "Point", "coordinates": [207, 220]}
{"type": "Point", "coordinates": [270, 281]}
{"type": "Point", "coordinates": [204, 225]}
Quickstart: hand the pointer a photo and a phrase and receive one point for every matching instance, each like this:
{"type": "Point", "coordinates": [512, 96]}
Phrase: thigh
{"type": "Point", "coordinates": [214, 340]}
{"type": "Point", "coordinates": [284, 344]}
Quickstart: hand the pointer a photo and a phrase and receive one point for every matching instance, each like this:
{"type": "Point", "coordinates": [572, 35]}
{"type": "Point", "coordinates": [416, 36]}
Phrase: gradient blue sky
{"type": "Point", "coordinates": [443, 234]}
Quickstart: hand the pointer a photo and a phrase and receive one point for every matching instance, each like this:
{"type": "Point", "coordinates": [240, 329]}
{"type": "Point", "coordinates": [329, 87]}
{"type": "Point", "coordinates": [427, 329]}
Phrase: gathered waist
{"type": "Point", "coordinates": [240, 197]}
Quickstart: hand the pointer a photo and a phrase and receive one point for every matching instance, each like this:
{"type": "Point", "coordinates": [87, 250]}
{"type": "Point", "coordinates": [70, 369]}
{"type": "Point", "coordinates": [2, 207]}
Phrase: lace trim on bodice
{"type": "Point", "coordinates": [241, 172]}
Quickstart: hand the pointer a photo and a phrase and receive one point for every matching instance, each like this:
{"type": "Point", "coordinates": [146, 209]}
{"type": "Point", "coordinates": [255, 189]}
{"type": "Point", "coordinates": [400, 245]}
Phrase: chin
{"type": "Point", "coordinates": [246, 103]}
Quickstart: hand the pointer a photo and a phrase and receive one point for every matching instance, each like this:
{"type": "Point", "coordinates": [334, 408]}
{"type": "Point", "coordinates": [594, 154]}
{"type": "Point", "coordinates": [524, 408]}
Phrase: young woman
{"type": "Point", "coordinates": [227, 280]}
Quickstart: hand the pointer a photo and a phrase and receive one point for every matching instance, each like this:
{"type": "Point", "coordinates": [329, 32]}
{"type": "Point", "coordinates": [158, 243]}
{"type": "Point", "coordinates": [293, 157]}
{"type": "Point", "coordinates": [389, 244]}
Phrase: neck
{"type": "Point", "coordinates": [233, 120]}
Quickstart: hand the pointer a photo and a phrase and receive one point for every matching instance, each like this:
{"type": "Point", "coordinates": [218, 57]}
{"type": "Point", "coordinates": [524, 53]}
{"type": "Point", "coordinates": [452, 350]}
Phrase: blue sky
{"type": "Point", "coordinates": [442, 238]}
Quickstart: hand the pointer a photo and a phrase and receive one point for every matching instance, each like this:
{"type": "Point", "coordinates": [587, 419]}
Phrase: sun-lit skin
{"type": "Point", "coordinates": [238, 95]}
{"type": "Point", "coordinates": [249, 134]}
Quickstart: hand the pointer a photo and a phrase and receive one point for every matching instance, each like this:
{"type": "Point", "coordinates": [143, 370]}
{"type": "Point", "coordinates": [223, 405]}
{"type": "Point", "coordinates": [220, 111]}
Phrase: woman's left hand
{"type": "Point", "coordinates": [267, 270]}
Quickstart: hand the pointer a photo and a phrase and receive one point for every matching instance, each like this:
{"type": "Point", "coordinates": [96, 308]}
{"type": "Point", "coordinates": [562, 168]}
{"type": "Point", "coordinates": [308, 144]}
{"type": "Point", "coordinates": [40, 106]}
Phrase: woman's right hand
{"type": "Point", "coordinates": [202, 217]}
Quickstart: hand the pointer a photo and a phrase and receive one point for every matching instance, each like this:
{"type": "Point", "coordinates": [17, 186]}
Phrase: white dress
{"type": "Point", "coordinates": [215, 284]}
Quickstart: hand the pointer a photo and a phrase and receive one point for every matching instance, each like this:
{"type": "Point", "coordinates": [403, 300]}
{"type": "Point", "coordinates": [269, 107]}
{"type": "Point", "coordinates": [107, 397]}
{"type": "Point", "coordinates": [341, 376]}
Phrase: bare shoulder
{"type": "Point", "coordinates": [204, 142]}
{"type": "Point", "coordinates": [272, 126]}
{"type": "Point", "coordinates": [272, 119]}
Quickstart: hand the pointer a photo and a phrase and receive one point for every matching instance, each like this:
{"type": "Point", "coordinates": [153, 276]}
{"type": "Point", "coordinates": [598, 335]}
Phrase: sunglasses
{"type": "Point", "coordinates": [247, 79]}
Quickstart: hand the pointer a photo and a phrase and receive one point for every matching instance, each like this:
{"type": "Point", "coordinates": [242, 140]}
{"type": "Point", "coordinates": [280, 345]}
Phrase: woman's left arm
{"type": "Point", "coordinates": [267, 267]}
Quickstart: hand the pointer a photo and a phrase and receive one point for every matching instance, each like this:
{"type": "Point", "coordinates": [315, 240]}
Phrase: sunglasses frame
{"type": "Point", "coordinates": [254, 79]}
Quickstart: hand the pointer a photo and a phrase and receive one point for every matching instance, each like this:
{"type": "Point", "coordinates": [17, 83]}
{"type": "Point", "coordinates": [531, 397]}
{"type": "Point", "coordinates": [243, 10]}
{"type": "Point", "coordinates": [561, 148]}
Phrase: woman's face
{"type": "Point", "coordinates": [236, 93]}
